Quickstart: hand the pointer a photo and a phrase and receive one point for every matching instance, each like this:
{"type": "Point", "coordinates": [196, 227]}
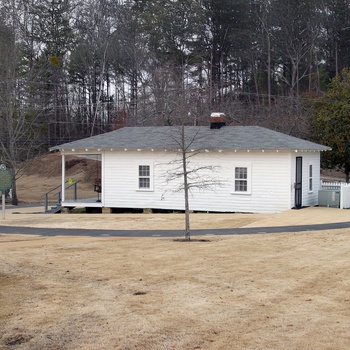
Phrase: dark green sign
{"type": "Point", "coordinates": [5, 178]}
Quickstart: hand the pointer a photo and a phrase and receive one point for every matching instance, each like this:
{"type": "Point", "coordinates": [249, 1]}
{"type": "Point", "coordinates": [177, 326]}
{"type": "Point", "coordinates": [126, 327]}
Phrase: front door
{"type": "Point", "coordinates": [298, 183]}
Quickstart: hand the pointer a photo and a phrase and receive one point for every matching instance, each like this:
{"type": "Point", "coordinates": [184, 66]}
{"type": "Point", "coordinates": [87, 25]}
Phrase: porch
{"type": "Point", "coordinates": [82, 203]}
{"type": "Point", "coordinates": [69, 193]}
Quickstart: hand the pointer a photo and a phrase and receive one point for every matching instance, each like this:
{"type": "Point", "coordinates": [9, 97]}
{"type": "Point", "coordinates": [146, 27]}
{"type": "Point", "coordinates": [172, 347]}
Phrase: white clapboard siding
{"type": "Point", "coordinates": [309, 198]}
{"type": "Point", "coordinates": [272, 179]}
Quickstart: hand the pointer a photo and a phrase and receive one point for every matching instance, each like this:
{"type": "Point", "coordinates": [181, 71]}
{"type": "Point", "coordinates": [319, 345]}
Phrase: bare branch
{"type": "Point", "coordinates": [187, 169]}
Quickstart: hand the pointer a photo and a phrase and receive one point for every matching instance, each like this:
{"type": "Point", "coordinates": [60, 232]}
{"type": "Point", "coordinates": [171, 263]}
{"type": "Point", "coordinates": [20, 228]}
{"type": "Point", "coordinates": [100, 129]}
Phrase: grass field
{"type": "Point", "coordinates": [277, 291]}
{"type": "Point", "coordinates": [265, 291]}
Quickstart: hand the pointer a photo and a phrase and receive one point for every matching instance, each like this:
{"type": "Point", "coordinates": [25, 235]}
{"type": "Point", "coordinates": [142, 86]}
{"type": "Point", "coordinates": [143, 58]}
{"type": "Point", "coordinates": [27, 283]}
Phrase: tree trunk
{"type": "Point", "coordinates": [347, 173]}
{"type": "Point", "coordinates": [14, 200]}
{"type": "Point", "coordinates": [187, 206]}
{"type": "Point", "coordinates": [269, 70]}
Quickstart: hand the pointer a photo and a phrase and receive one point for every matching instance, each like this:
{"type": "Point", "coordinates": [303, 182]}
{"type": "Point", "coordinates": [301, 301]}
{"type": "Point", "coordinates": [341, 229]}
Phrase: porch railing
{"type": "Point", "coordinates": [58, 195]}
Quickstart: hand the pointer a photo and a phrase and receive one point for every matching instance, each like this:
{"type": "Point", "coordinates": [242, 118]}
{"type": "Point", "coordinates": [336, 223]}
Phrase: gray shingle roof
{"type": "Point", "coordinates": [197, 137]}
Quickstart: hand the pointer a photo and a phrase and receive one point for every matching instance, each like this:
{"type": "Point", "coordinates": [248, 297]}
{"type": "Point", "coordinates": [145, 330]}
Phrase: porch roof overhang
{"type": "Point", "coordinates": [94, 153]}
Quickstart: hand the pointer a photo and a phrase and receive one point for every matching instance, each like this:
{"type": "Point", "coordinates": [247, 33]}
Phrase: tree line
{"type": "Point", "coordinates": [72, 68]}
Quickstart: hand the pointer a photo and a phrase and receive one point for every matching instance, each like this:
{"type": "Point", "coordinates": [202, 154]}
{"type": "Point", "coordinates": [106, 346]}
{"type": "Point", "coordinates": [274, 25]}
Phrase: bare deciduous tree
{"type": "Point", "coordinates": [187, 171]}
{"type": "Point", "coordinates": [17, 132]}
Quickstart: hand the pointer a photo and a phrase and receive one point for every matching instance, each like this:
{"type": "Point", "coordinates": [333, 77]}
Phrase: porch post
{"type": "Point", "coordinates": [342, 195]}
{"type": "Point", "coordinates": [63, 194]}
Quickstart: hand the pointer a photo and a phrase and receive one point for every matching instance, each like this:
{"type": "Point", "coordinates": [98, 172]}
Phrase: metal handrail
{"type": "Point", "coordinates": [58, 194]}
{"type": "Point", "coordinates": [71, 185]}
{"type": "Point", "coordinates": [54, 189]}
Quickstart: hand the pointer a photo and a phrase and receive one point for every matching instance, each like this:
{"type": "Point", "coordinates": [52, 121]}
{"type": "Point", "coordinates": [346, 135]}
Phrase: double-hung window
{"type": "Point", "coordinates": [242, 179]}
{"type": "Point", "coordinates": [144, 177]}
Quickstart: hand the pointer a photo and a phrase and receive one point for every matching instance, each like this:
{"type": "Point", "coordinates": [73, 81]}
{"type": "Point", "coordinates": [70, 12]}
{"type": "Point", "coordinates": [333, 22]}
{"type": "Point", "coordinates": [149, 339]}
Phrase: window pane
{"type": "Point", "coordinates": [310, 171]}
{"type": "Point", "coordinates": [241, 173]}
{"type": "Point", "coordinates": [144, 170]}
{"type": "Point", "coordinates": [241, 186]}
{"type": "Point", "coordinates": [144, 182]}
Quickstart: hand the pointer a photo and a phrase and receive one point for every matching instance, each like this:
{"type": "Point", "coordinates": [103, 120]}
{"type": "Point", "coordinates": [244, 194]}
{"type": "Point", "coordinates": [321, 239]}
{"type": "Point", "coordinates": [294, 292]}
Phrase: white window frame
{"type": "Point", "coordinates": [248, 179]}
{"type": "Point", "coordinates": [311, 178]}
{"type": "Point", "coordinates": [150, 177]}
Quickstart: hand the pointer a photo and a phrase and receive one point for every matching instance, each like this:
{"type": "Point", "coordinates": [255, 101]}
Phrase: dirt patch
{"type": "Point", "coordinates": [283, 291]}
{"type": "Point", "coordinates": [17, 339]}
{"type": "Point", "coordinates": [192, 240]}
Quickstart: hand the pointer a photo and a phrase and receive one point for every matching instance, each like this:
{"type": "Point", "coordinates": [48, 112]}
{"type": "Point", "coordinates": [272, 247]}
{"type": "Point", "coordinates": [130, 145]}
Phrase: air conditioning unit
{"type": "Point", "coordinates": [329, 198]}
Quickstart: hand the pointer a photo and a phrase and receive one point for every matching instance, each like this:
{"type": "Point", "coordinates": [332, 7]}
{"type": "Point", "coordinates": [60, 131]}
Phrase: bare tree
{"type": "Point", "coordinates": [186, 170]}
{"type": "Point", "coordinates": [18, 122]}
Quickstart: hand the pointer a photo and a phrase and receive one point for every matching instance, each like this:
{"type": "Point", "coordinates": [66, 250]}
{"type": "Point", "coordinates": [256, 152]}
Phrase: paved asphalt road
{"type": "Point", "coordinates": [166, 233]}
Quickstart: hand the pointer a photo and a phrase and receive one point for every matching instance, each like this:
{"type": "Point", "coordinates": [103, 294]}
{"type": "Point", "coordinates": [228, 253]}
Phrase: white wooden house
{"type": "Point", "coordinates": [257, 170]}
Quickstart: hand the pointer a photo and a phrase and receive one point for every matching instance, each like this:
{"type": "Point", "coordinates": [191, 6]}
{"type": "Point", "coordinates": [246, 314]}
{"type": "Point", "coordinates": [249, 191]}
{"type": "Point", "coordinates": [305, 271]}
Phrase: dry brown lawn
{"type": "Point", "coordinates": [275, 291]}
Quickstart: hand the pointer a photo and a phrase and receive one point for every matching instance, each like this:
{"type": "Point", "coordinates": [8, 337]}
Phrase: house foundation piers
{"type": "Point", "coordinates": [69, 210]}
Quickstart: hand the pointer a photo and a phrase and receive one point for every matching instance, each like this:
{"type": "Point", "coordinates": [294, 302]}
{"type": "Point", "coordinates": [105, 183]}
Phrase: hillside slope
{"type": "Point", "coordinates": [44, 173]}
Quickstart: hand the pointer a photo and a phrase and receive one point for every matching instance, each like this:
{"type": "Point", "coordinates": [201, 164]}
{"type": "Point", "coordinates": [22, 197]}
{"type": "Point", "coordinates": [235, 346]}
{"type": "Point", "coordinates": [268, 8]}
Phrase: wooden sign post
{"type": "Point", "coordinates": [5, 184]}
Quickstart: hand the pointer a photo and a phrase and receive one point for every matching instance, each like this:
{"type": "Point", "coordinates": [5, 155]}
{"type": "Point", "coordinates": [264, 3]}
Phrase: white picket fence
{"type": "Point", "coordinates": [342, 187]}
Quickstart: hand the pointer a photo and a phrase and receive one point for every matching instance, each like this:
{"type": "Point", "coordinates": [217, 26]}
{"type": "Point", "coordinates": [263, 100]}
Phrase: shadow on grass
{"type": "Point", "coordinates": [191, 240]}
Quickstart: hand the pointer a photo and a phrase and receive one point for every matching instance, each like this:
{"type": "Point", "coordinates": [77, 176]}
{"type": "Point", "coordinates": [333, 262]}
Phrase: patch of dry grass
{"type": "Point", "coordinates": [282, 291]}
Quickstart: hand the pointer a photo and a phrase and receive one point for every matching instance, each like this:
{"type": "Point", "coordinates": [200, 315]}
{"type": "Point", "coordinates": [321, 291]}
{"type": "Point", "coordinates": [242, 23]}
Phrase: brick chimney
{"type": "Point", "coordinates": [217, 120]}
